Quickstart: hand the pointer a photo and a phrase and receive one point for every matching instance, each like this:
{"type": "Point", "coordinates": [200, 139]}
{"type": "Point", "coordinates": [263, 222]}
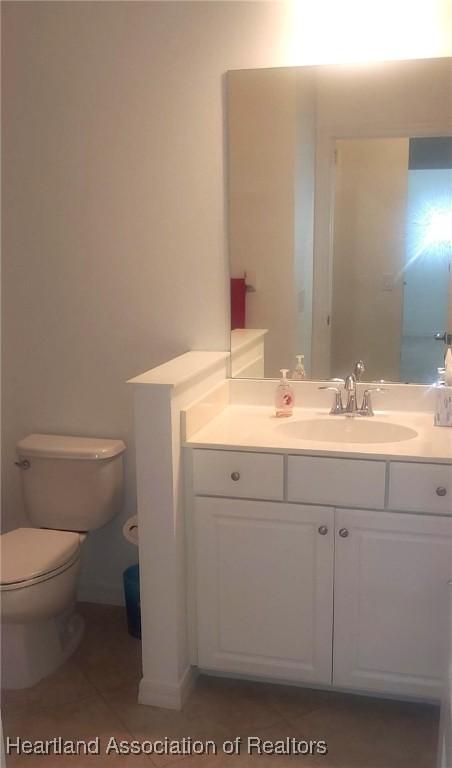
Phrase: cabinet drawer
{"type": "Point", "coordinates": [421, 487]}
{"type": "Point", "coordinates": [338, 482]}
{"type": "Point", "coordinates": [244, 475]}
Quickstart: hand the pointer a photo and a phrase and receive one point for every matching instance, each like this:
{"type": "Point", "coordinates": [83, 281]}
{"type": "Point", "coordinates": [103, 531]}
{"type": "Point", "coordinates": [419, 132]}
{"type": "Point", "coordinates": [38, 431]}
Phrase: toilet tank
{"type": "Point", "coordinates": [71, 483]}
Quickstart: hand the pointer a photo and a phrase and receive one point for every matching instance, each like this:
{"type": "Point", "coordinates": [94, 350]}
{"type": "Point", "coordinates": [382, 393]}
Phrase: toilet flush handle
{"type": "Point", "coordinates": [22, 464]}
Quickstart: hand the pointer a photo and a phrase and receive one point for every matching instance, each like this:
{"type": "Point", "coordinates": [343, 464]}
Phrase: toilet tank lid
{"type": "Point", "coordinates": [67, 447]}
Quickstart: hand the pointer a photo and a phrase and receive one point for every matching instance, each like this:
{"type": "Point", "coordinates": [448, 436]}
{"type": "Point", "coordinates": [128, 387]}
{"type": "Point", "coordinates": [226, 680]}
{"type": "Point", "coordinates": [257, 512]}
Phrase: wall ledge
{"type": "Point", "coordinates": [181, 371]}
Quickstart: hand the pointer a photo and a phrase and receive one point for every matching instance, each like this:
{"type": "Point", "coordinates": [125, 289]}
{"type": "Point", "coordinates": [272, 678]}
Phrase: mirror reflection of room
{"type": "Point", "coordinates": [392, 254]}
{"type": "Point", "coordinates": [340, 219]}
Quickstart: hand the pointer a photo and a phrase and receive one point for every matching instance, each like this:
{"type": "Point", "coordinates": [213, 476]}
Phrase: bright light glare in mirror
{"type": "Point", "coordinates": [434, 230]}
{"type": "Point", "coordinates": [438, 228]}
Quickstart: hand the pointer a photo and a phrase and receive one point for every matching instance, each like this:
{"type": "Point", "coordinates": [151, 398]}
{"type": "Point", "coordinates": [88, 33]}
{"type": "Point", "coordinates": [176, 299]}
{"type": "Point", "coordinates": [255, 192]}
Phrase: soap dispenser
{"type": "Point", "coordinates": [446, 337]}
{"type": "Point", "coordinates": [299, 373]}
{"type": "Point", "coordinates": [448, 367]}
{"type": "Point", "coordinates": [284, 396]}
{"type": "Point", "coordinates": [443, 404]}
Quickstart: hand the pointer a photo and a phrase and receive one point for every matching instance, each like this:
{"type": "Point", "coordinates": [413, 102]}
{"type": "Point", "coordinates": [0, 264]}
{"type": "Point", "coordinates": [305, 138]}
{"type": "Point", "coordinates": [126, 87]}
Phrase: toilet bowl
{"type": "Point", "coordinates": [40, 628]}
{"type": "Point", "coordinates": [70, 484]}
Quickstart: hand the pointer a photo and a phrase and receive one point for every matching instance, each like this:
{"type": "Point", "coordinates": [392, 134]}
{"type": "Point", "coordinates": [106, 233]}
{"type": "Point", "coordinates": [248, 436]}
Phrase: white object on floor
{"type": "Point", "coordinates": [70, 484]}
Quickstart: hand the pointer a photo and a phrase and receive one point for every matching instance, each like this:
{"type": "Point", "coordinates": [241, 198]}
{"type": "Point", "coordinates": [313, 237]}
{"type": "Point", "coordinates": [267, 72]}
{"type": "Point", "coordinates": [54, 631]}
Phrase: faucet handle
{"type": "Point", "coordinates": [366, 407]}
{"type": "Point", "coordinates": [337, 406]}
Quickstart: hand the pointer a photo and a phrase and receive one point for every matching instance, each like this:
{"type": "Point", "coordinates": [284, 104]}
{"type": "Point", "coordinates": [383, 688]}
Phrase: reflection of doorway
{"type": "Point", "coordinates": [369, 247]}
{"type": "Point", "coordinates": [427, 276]}
{"type": "Point", "coordinates": [391, 287]}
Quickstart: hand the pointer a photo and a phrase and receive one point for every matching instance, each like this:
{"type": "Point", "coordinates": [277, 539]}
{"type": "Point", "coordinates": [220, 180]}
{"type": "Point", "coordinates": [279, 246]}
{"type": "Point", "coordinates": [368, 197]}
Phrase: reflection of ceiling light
{"type": "Point", "coordinates": [435, 229]}
{"type": "Point", "coordinates": [430, 232]}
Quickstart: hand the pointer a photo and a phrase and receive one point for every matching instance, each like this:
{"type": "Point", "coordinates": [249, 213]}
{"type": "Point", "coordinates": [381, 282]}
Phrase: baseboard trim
{"type": "Point", "coordinates": [167, 695]}
{"type": "Point", "coordinates": [100, 593]}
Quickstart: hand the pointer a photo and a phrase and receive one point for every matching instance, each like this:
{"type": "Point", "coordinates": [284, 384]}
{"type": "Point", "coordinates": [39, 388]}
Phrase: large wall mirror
{"type": "Point", "coordinates": [340, 218]}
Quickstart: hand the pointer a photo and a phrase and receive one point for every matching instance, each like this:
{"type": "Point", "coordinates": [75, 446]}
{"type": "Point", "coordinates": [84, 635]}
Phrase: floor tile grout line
{"type": "Point", "coordinates": [118, 716]}
{"type": "Point", "coordinates": [46, 709]}
{"type": "Point", "coordinates": [113, 688]}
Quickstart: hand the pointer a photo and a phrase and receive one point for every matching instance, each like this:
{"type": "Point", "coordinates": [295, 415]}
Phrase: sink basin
{"type": "Point", "coordinates": [341, 429]}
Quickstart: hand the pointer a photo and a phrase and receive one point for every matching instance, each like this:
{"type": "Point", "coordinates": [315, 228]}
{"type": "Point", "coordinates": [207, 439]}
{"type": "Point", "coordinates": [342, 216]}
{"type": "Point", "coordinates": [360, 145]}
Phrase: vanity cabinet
{"type": "Point", "coordinates": [339, 593]}
{"type": "Point", "coordinates": [390, 598]}
{"type": "Point", "coordinates": [265, 588]}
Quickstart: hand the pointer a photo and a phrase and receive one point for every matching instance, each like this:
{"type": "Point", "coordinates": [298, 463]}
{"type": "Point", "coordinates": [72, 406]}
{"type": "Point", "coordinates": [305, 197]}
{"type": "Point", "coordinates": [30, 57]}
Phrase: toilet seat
{"type": "Point", "coordinates": [43, 577]}
{"type": "Point", "coordinates": [32, 555]}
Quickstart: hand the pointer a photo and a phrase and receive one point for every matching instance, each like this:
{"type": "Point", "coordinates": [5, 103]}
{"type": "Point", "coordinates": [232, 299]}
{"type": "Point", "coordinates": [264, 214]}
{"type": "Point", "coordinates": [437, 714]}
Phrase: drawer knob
{"type": "Point", "coordinates": [343, 533]}
{"type": "Point", "coordinates": [441, 491]}
{"type": "Point", "coordinates": [235, 476]}
{"type": "Point", "coordinates": [323, 530]}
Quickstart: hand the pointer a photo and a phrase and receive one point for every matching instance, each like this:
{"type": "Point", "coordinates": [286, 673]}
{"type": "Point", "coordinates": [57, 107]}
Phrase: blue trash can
{"type": "Point", "coordinates": [131, 578]}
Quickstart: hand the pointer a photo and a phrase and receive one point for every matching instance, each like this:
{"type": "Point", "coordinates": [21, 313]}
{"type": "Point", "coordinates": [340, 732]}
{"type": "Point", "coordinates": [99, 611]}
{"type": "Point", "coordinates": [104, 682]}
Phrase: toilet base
{"type": "Point", "coordinates": [34, 650]}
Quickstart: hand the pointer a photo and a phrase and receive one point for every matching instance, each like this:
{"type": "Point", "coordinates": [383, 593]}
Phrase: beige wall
{"type": "Point", "coordinates": [113, 225]}
{"type": "Point", "coordinates": [369, 249]}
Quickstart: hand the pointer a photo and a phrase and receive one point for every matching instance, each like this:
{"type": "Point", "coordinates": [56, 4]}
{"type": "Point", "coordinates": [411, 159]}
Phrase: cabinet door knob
{"type": "Point", "coordinates": [323, 530]}
{"type": "Point", "coordinates": [343, 533]}
{"type": "Point", "coordinates": [441, 491]}
{"type": "Point", "coordinates": [235, 476]}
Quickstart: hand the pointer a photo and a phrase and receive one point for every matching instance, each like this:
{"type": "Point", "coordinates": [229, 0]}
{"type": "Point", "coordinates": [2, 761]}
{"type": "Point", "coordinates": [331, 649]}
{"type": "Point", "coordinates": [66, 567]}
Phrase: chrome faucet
{"type": "Point", "coordinates": [337, 408]}
{"type": "Point", "coordinates": [351, 406]}
{"type": "Point", "coordinates": [350, 388]}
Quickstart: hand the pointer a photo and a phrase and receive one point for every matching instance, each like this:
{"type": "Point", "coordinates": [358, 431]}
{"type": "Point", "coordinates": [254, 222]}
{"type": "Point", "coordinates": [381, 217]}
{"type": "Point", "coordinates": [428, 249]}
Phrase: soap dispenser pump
{"type": "Point", "coordinates": [284, 396]}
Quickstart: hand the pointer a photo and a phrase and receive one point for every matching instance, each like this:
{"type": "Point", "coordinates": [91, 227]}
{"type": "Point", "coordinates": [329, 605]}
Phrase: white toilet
{"type": "Point", "coordinates": [71, 485]}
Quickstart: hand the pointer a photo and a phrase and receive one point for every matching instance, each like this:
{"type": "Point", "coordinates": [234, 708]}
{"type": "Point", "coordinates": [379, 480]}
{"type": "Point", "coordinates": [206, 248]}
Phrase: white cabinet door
{"type": "Point", "coordinates": [390, 628]}
{"type": "Point", "coordinates": [445, 725]}
{"type": "Point", "coordinates": [265, 588]}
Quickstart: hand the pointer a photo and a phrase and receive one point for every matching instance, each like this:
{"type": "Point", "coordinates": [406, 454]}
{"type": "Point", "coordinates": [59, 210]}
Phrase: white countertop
{"type": "Point", "coordinates": [255, 428]}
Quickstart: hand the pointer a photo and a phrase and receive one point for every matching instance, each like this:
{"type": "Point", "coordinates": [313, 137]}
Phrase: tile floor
{"type": "Point", "coordinates": [95, 693]}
